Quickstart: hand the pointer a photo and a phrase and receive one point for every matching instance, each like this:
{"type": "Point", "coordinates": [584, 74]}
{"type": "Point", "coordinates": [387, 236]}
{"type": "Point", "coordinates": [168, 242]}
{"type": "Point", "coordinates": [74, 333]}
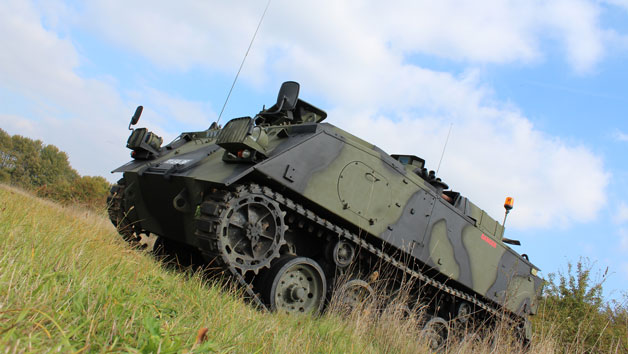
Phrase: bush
{"type": "Point", "coordinates": [574, 310]}
{"type": "Point", "coordinates": [45, 169]}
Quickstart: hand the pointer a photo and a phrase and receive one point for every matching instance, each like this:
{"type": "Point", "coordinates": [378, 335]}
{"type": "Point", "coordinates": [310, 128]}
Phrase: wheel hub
{"type": "Point", "coordinates": [297, 293]}
{"type": "Point", "coordinates": [295, 285]}
{"type": "Point", "coordinates": [464, 312]}
{"type": "Point", "coordinates": [343, 253]}
{"type": "Point", "coordinates": [251, 232]}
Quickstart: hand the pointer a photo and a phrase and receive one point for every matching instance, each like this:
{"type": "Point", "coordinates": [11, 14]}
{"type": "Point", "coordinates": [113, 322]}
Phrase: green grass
{"type": "Point", "coordinates": [68, 283]}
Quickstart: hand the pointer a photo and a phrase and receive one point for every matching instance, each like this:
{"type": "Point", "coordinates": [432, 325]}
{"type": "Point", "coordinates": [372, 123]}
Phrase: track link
{"type": "Point", "coordinates": [208, 219]}
{"type": "Point", "coordinates": [120, 217]}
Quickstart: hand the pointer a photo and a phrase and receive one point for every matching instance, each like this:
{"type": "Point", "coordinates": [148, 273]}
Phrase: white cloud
{"type": "Point", "coordinates": [622, 213]}
{"type": "Point", "coordinates": [215, 34]}
{"type": "Point", "coordinates": [493, 31]}
{"type": "Point", "coordinates": [352, 55]}
{"type": "Point", "coordinates": [619, 3]}
{"type": "Point", "coordinates": [14, 122]}
{"type": "Point", "coordinates": [497, 154]}
{"type": "Point", "coordinates": [179, 35]}
{"type": "Point", "coordinates": [620, 136]}
{"type": "Point", "coordinates": [83, 116]}
{"type": "Point", "coordinates": [576, 22]}
{"type": "Point", "coordinates": [168, 115]}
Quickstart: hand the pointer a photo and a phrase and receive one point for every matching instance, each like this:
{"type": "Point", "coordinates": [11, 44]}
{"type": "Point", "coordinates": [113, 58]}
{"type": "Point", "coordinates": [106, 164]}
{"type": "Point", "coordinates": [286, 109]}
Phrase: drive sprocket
{"type": "Point", "coordinates": [245, 228]}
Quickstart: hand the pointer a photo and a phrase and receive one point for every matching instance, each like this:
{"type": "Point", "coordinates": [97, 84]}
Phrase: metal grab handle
{"type": "Point", "coordinates": [371, 177]}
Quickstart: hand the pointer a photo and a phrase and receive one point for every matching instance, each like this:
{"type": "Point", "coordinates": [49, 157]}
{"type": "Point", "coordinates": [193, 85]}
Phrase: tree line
{"type": "Point", "coordinates": [46, 171]}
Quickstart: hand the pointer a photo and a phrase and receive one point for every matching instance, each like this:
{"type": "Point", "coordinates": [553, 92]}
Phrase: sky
{"type": "Point", "coordinates": [535, 94]}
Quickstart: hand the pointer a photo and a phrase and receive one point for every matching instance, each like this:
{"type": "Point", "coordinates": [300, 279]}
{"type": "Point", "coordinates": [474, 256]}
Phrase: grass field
{"type": "Point", "coordinates": [69, 284]}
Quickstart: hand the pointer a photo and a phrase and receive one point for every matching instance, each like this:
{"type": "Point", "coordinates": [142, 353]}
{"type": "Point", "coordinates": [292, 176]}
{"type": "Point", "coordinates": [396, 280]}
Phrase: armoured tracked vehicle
{"type": "Point", "coordinates": [288, 205]}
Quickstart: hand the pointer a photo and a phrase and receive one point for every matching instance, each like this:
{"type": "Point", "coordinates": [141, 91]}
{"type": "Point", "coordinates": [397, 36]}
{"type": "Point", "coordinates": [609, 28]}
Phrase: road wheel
{"type": "Point", "coordinates": [436, 331]}
{"type": "Point", "coordinates": [354, 293]}
{"type": "Point", "coordinates": [294, 285]}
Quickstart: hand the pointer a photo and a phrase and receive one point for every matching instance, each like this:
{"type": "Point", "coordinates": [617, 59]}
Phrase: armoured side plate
{"type": "Point", "coordinates": [364, 191]}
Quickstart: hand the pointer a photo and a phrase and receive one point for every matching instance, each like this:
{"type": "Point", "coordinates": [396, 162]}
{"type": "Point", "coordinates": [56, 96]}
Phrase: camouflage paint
{"type": "Point", "coordinates": [340, 174]}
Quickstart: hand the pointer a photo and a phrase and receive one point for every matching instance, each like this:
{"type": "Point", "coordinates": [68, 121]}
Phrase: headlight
{"type": "Point", "coordinates": [259, 136]}
{"type": "Point", "coordinates": [256, 133]}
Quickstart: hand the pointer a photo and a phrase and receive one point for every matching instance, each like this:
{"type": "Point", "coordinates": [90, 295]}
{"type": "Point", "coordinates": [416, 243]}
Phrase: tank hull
{"type": "Point", "coordinates": [283, 196]}
{"type": "Point", "coordinates": [357, 185]}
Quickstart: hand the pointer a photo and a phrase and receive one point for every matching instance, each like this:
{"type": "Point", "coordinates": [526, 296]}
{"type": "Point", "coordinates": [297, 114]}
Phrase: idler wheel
{"type": "Point", "coordinates": [251, 232]}
{"type": "Point", "coordinates": [294, 285]}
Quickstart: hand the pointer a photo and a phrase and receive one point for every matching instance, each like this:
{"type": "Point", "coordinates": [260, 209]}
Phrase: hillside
{"type": "Point", "coordinates": [69, 283]}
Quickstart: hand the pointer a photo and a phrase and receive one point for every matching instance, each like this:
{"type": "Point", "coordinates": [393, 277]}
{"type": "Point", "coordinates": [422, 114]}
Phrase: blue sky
{"type": "Point", "coordinates": [535, 92]}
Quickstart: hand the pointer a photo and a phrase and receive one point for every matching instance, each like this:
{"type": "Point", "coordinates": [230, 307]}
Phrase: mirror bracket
{"type": "Point", "coordinates": [136, 116]}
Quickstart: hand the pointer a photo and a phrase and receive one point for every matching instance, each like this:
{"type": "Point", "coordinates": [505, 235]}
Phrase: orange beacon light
{"type": "Point", "coordinates": [508, 206]}
{"type": "Point", "coordinates": [509, 203]}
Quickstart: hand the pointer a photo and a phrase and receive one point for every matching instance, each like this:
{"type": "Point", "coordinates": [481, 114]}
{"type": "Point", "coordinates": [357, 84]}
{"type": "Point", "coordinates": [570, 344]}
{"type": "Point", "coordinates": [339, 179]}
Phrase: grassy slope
{"type": "Point", "coordinates": [68, 283]}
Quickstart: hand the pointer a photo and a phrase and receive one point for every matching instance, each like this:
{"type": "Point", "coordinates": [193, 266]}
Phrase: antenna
{"type": "Point", "coordinates": [243, 59]}
{"type": "Point", "coordinates": [444, 147]}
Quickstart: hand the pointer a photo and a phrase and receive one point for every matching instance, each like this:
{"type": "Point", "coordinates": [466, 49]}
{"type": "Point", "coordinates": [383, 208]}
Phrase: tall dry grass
{"type": "Point", "coordinates": [68, 283]}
